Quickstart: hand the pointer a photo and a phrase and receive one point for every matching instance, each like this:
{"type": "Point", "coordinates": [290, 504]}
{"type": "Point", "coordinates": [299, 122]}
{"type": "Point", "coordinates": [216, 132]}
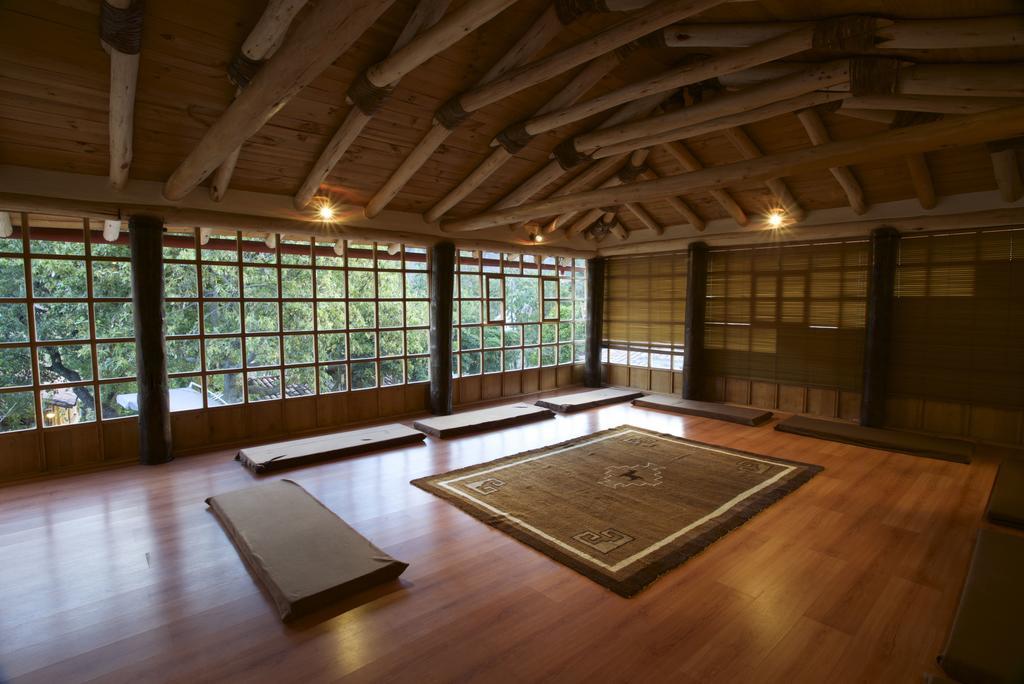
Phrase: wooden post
{"type": "Point", "coordinates": [696, 305]}
{"type": "Point", "coordinates": [595, 322]}
{"type": "Point", "coordinates": [146, 239]}
{"type": "Point", "coordinates": [878, 328]}
{"type": "Point", "coordinates": [442, 281]}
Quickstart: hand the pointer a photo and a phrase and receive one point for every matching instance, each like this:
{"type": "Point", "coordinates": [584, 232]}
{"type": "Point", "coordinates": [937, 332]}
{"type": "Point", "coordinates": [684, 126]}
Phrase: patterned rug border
{"type": "Point", "coordinates": [641, 579]}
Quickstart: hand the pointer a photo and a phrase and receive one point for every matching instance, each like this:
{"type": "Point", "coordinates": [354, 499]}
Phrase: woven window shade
{"type": "Point", "coordinates": [792, 314]}
{"type": "Point", "coordinates": [958, 328]}
{"type": "Point", "coordinates": [645, 304]}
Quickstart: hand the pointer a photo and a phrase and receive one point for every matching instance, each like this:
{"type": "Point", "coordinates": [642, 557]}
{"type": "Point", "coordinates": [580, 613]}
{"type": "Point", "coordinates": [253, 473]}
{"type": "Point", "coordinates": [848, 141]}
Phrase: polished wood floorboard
{"type": "Point", "coordinates": [124, 575]}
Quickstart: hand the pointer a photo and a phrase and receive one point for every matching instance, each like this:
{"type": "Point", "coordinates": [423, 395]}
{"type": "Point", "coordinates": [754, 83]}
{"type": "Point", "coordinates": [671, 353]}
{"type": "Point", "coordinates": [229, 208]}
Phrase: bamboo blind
{"type": "Point", "coordinates": [958, 331]}
{"type": "Point", "coordinates": [644, 310]}
{"type": "Point", "coordinates": [791, 314]}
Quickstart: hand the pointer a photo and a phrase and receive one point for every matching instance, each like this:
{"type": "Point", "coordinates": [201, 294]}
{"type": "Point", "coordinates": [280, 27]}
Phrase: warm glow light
{"type": "Point", "coordinates": [326, 212]}
{"type": "Point", "coordinates": [775, 219]}
{"type": "Point", "coordinates": [537, 237]}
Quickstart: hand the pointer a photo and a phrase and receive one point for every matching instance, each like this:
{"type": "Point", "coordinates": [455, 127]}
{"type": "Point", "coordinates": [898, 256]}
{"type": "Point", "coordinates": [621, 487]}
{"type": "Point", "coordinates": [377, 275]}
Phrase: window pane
{"type": "Point", "coordinates": [112, 279]}
{"type": "Point", "coordinates": [330, 315]}
{"type": "Point", "coordinates": [12, 278]}
{"type": "Point", "coordinates": [333, 347]}
{"type": "Point", "coordinates": [492, 336]}
{"type": "Point", "coordinates": [364, 375]}
{"type": "Point", "coordinates": [223, 353]}
{"type": "Point", "coordinates": [117, 360]}
{"type": "Point", "coordinates": [220, 281]}
{"type": "Point", "coordinates": [221, 318]}
{"type": "Point", "coordinates": [295, 251]}
{"type": "Point", "coordinates": [70, 321]}
{"type": "Point", "coordinates": [416, 286]}
{"type": "Point", "coordinates": [470, 312]}
{"type": "Point", "coordinates": [68, 405]}
{"type": "Point", "coordinates": [13, 323]}
{"type": "Point", "coordinates": [15, 367]}
{"type": "Point", "coordinates": [297, 316]}
{"type": "Point", "coordinates": [362, 315]}
{"type": "Point", "coordinates": [224, 389]}
{"type": "Point", "coordinates": [389, 285]}
{"type": "Point", "coordinates": [419, 369]}
{"type": "Point", "coordinates": [262, 351]}
{"type": "Point", "coordinates": [363, 345]}
{"type": "Point", "coordinates": [297, 283]}
{"type": "Point", "coordinates": [417, 342]}
{"type": "Point", "coordinates": [182, 318]}
{"type": "Point", "coordinates": [261, 317]}
{"type": "Point", "coordinates": [392, 372]}
{"type": "Point", "coordinates": [333, 378]}
{"type": "Point", "coordinates": [360, 285]}
{"type": "Point", "coordinates": [180, 280]}
{"type": "Point", "coordinates": [391, 343]}
{"type": "Point", "coordinates": [330, 284]}
{"type": "Point", "coordinates": [531, 357]}
{"type": "Point", "coordinates": [417, 314]}
{"type": "Point", "coordinates": [264, 385]}
{"type": "Point", "coordinates": [260, 282]}
{"type": "Point", "coordinates": [471, 363]}
{"type": "Point", "coordinates": [513, 359]}
{"type": "Point", "coordinates": [119, 400]}
{"type": "Point", "coordinates": [513, 335]}
{"type": "Point", "coordinates": [492, 362]}
{"type": "Point", "coordinates": [392, 314]}
{"type": "Point", "coordinates": [59, 278]}
{"type": "Point", "coordinates": [187, 393]}
{"type": "Point", "coordinates": [183, 356]}
{"type": "Point", "coordinates": [298, 349]}
{"type": "Point", "coordinates": [470, 338]}
{"type": "Point", "coordinates": [522, 300]}
{"type": "Point", "coordinates": [469, 286]}
{"type": "Point", "coordinates": [299, 382]}
{"type": "Point", "coordinates": [17, 411]}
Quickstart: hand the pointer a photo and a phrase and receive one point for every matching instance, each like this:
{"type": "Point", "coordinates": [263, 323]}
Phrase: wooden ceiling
{"type": "Point", "coordinates": [55, 86]}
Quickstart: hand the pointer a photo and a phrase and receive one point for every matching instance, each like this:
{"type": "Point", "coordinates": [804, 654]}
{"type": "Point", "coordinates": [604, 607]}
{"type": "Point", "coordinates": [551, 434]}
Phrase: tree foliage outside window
{"type": "Point", "coordinates": [516, 312]}
{"type": "Point", "coordinates": [244, 322]}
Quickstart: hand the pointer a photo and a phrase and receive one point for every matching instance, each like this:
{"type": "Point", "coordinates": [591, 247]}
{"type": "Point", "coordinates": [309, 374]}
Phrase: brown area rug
{"type": "Point", "coordinates": [621, 506]}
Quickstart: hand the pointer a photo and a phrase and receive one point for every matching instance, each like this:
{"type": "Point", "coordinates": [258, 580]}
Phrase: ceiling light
{"type": "Point", "coordinates": [537, 237]}
{"type": "Point", "coordinates": [325, 212]}
{"type": "Point", "coordinates": [775, 219]}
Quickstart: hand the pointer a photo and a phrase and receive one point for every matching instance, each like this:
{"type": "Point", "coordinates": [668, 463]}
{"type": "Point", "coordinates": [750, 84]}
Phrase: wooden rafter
{"type": "Point", "coordinates": [818, 134]}
{"type": "Point", "coordinates": [749, 149]}
{"type": "Point", "coordinates": [688, 163]}
{"type": "Point", "coordinates": [315, 41]}
{"type": "Point", "coordinates": [1006, 168]}
{"type": "Point", "coordinates": [121, 37]}
{"type": "Point", "coordinates": [995, 125]}
{"type": "Point", "coordinates": [921, 179]}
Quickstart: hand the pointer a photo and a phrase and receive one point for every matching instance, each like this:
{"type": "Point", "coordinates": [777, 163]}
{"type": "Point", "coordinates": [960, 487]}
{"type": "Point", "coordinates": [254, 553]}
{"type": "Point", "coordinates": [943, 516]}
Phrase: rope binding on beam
{"type": "Point", "coordinates": [121, 29]}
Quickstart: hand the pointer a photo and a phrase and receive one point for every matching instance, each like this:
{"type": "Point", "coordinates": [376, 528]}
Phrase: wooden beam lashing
{"type": "Point", "coordinates": [259, 45]}
{"type": "Point", "coordinates": [693, 320]}
{"type": "Point", "coordinates": [146, 240]}
{"type": "Point", "coordinates": [508, 80]}
{"type": "Point", "coordinates": [592, 366]}
{"type": "Point", "coordinates": [365, 98]}
{"type": "Point", "coordinates": [442, 280]}
{"type": "Point", "coordinates": [1006, 168]}
{"type": "Point", "coordinates": [998, 124]}
{"type": "Point", "coordinates": [818, 134]}
{"type": "Point", "coordinates": [749, 149]}
{"type": "Point", "coordinates": [315, 41]}
{"type": "Point", "coordinates": [878, 325]}
{"type": "Point", "coordinates": [121, 37]}
{"type": "Point", "coordinates": [688, 163]}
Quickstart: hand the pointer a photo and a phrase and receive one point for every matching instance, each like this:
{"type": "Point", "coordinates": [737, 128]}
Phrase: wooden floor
{"type": "Point", "coordinates": [124, 575]}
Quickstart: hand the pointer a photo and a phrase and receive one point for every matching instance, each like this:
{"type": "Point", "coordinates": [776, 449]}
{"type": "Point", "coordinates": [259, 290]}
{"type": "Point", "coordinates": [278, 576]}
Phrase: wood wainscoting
{"type": "Point", "coordinates": [983, 424]}
{"type": "Point", "coordinates": [88, 446]}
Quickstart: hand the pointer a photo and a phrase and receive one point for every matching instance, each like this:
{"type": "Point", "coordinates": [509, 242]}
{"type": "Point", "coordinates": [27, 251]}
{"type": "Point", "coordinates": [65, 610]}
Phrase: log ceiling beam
{"type": "Point", "coordinates": [1006, 168]}
{"type": "Point", "coordinates": [921, 179]}
{"type": "Point", "coordinates": [677, 203]}
{"type": "Point", "coordinates": [426, 14]}
{"type": "Point", "coordinates": [121, 37]}
{"type": "Point", "coordinates": [259, 45]}
{"type": "Point", "coordinates": [979, 128]}
{"type": "Point", "coordinates": [935, 104]}
{"type": "Point", "coordinates": [689, 163]}
{"type": "Point", "coordinates": [316, 40]}
{"type": "Point", "coordinates": [903, 34]}
{"type": "Point", "coordinates": [818, 134]}
{"type": "Point", "coordinates": [749, 150]}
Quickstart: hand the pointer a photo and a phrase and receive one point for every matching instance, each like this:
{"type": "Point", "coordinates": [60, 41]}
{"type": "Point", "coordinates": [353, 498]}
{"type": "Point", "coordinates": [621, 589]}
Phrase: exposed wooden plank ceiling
{"type": "Point", "coordinates": [55, 87]}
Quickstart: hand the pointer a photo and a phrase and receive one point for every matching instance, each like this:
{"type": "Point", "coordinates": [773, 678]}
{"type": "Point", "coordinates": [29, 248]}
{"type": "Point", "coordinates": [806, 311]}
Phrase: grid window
{"type": "Point", "coordinates": [253, 322]}
{"type": "Point", "coordinates": [515, 312]}
{"type": "Point", "coordinates": [67, 347]}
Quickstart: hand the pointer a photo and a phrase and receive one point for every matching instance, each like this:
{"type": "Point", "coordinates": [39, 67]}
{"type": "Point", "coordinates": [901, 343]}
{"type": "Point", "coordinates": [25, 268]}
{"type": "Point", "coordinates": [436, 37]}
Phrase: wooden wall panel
{"type": "Point", "coordinates": [475, 388]}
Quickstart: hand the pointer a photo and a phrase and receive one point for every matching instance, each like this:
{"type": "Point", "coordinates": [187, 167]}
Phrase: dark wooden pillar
{"type": "Point", "coordinates": [442, 280]}
{"type": "Point", "coordinates": [696, 305]}
{"type": "Point", "coordinates": [595, 322]}
{"type": "Point", "coordinates": [885, 244]}
{"type": "Point", "coordinates": [146, 238]}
